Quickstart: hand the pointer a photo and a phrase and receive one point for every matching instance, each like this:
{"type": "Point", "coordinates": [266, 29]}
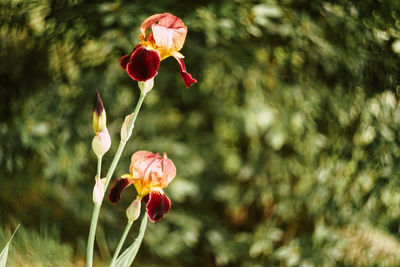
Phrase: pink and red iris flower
{"type": "Point", "coordinates": [165, 39]}
{"type": "Point", "coordinates": [150, 174]}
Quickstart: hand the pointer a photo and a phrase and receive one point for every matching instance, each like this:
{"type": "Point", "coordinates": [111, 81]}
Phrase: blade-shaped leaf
{"type": "Point", "coordinates": [4, 252]}
{"type": "Point", "coordinates": [129, 254]}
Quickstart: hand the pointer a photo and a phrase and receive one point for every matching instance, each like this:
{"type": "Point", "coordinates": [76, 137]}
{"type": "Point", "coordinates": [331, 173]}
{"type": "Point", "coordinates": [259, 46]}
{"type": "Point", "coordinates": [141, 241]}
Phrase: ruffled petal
{"type": "Point", "coordinates": [187, 78]}
{"type": "Point", "coordinates": [158, 205]}
{"type": "Point", "coordinates": [171, 39]}
{"type": "Point", "coordinates": [150, 21]}
{"type": "Point", "coordinates": [124, 61]}
{"type": "Point", "coordinates": [168, 171]}
{"type": "Point", "coordinates": [165, 19]}
{"type": "Point", "coordinates": [120, 185]}
{"type": "Point", "coordinates": [140, 162]}
{"type": "Point", "coordinates": [143, 64]}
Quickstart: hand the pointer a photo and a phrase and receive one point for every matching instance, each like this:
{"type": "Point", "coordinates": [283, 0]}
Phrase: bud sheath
{"type": "Point", "coordinates": [133, 211]}
{"type": "Point", "coordinates": [146, 86]}
{"type": "Point", "coordinates": [101, 142]}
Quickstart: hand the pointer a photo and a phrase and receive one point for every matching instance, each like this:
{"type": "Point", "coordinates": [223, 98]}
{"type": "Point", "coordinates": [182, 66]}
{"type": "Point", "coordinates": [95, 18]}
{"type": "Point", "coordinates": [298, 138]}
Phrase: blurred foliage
{"type": "Point", "coordinates": [32, 249]}
{"type": "Point", "coordinates": [286, 149]}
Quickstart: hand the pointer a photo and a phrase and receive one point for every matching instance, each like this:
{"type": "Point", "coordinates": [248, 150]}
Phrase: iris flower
{"type": "Point", "coordinates": [150, 174]}
{"type": "Point", "coordinates": [165, 39]}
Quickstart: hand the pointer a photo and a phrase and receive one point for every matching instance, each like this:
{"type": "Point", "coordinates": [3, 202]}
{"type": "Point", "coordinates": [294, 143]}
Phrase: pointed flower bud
{"type": "Point", "coordinates": [125, 134]}
{"type": "Point", "coordinates": [99, 114]}
{"type": "Point", "coordinates": [98, 190]}
{"type": "Point", "coordinates": [146, 86]}
{"type": "Point", "coordinates": [101, 142]}
{"type": "Point", "coordinates": [133, 211]}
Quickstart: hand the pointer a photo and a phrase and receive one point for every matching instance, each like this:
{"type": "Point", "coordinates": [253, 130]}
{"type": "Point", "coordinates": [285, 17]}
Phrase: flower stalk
{"type": "Point", "coordinates": [122, 143]}
{"type": "Point", "coordinates": [93, 223]}
{"type": "Point", "coordinates": [121, 242]}
{"type": "Point", "coordinates": [97, 206]}
{"type": "Point", "coordinates": [128, 256]}
{"type": "Point", "coordinates": [161, 36]}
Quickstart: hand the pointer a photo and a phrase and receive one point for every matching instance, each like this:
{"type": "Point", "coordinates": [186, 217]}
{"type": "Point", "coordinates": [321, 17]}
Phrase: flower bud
{"type": "Point", "coordinates": [133, 211]}
{"type": "Point", "coordinates": [98, 190]}
{"type": "Point", "coordinates": [99, 114]}
{"type": "Point", "coordinates": [101, 142]}
{"type": "Point", "coordinates": [146, 86]}
{"type": "Point", "coordinates": [125, 133]}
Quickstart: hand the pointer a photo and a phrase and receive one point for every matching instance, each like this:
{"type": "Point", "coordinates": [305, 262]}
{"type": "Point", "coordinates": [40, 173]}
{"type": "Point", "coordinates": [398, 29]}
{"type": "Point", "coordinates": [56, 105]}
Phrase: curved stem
{"type": "Point", "coordinates": [96, 210]}
{"type": "Point", "coordinates": [128, 256]}
{"type": "Point", "coordinates": [121, 242]}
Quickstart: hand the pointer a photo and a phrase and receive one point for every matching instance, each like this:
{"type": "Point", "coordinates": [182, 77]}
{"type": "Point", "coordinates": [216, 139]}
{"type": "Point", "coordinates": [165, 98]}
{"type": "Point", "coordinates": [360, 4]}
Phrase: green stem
{"type": "Point", "coordinates": [121, 242]}
{"type": "Point", "coordinates": [99, 167]}
{"type": "Point", "coordinates": [93, 224]}
{"type": "Point", "coordinates": [96, 210]}
{"type": "Point", "coordinates": [128, 256]}
{"type": "Point", "coordinates": [123, 143]}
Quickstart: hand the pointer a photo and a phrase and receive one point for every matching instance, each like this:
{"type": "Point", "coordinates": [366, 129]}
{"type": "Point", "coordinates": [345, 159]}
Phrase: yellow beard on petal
{"type": "Point", "coordinates": [150, 44]}
{"type": "Point", "coordinates": [141, 189]}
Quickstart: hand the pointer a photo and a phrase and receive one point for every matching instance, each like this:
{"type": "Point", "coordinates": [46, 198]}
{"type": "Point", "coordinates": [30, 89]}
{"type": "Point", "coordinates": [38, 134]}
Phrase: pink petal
{"type": "Point", "coordinates": [158, 206]}
{"type": "Point", "coordinates": [120, 185]}
{"type": "Point", "coordinates": [169, 171]}
{"type": "Point", "coordinates": [140, 161]}
{"type": "Point", "coordinates": [171, 39]}
{"type": "Point", "coordinates": [187, 78]}
{"type": "Point", "coordinates": [165, 19]}
{"type": "Point", "coordinates": [143, 64]}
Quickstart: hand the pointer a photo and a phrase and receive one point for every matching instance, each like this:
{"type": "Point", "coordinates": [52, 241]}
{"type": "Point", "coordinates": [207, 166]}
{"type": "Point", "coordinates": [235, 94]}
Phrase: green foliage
{"type": "Point", "coordinates": [4, 251]}
{"type": "Point", "coordinates": [31, 249]}
{"type": "Point", "coordinates": [286, 149]}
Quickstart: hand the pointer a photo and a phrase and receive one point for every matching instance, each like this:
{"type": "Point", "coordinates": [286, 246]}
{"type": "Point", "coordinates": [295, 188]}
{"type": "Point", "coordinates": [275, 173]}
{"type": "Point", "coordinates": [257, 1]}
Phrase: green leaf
{"type": "Point", "coordinates": [4, 252]}
{"type": "Point", "coordinates": [129, 254]}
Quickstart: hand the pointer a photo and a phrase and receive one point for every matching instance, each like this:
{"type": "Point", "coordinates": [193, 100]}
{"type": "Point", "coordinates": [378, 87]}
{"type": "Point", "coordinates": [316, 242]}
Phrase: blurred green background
{"type": "Point", "coordinates": [287, 149]}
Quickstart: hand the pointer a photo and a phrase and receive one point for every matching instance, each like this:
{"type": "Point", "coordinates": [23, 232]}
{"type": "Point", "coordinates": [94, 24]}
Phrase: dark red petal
{"type": "Point", "coordinates": [145, 199]}
{"type": "Point", "coordinates": [158, 206]}
{"type": "Point", "coordinates": [187, 78]}
{"type": "Point", "coordinates": [143, 64]}
{"type": "Point", "coordinates": [124, 61]}
{"type": "Point", "coordinates": [116, 190]}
